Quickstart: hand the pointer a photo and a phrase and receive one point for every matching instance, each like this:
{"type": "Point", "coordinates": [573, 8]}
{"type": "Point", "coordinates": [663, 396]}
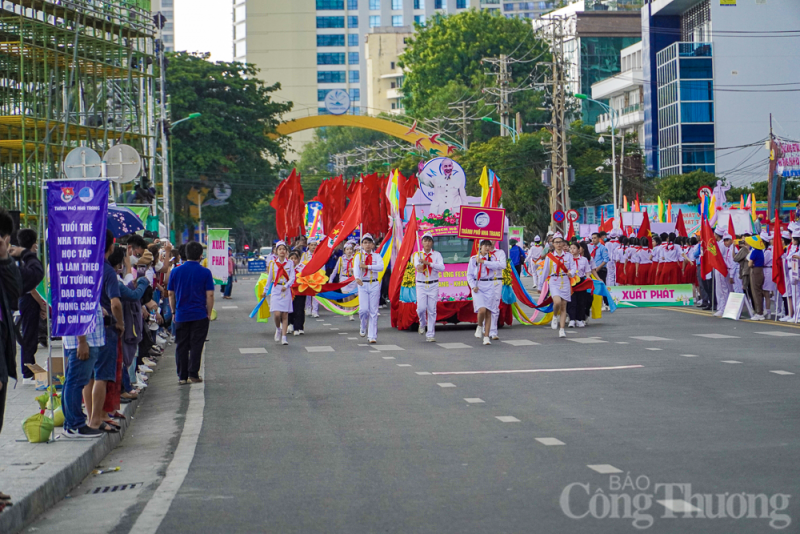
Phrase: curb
{"type": "Point", "coordinates": [28, 507]}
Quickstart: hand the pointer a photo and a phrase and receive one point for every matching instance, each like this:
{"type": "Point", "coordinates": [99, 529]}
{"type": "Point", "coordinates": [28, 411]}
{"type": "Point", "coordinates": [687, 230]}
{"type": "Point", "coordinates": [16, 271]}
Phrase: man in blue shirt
{"type": "Point", "coordinates": [516, 255]}
{"type": "Point", "coordinates": [191, 295]}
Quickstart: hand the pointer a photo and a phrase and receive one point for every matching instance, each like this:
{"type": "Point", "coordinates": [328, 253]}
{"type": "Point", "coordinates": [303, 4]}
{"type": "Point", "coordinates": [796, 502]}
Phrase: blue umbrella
{"type": "Point", "coordinates": [123, 221]}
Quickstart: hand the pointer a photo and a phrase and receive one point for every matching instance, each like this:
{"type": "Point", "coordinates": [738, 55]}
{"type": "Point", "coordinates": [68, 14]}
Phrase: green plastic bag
{"type": "Point", "coordinates": [38, 427]}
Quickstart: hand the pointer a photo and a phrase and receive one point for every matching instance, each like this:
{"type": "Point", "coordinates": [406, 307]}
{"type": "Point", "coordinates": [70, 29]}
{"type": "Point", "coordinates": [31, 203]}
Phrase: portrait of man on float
{"type": "Point", "coordinates": [443, 182]}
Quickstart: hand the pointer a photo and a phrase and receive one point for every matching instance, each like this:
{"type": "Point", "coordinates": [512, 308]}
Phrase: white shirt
{"type": "Point", "coordinates": [430, 273]}
{"type": "Point", "coordinates": [534, 253]}
{"type": "Point", "coordinates": [490, 270]}
{"type": "Point", "coordinates": [364, 272]}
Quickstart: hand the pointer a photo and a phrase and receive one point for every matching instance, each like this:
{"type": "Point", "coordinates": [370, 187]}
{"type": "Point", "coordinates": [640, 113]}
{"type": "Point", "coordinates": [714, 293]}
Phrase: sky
{"type": "Point", "coordinates": [205, 26]}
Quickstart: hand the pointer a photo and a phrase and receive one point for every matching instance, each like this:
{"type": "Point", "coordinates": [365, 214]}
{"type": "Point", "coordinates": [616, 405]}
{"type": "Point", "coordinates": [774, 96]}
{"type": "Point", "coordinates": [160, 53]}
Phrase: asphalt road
{"type": "Point", "coordinates": [331, 435]}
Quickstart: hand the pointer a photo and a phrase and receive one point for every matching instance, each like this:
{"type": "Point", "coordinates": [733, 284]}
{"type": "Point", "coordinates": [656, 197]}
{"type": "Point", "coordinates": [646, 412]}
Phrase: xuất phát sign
{"type": "Point", "coordinates": [218, 254]}
{"type": "Point", "coordinates": [76, 215]}
{"type": "Point", "coordinates": [647, 296]}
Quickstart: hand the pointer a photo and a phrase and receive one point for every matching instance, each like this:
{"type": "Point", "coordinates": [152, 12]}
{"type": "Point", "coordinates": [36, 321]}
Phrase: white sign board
{"type": "Point", "coordinates": [733, 307]}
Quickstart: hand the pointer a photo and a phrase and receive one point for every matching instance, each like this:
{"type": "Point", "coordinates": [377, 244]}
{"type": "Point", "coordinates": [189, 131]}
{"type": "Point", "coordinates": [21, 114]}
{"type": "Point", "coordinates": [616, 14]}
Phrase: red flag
{"type": "Point", "coordinates": [336, 234]}
{"type": "Point", "coordinates": [680, 227]}
{"type": "Point", "coordinates": [636, 206]}
{"type": "Point", "coordinates": [403, 255]}
{"type": "Point", "coordinates": [278, 202]}
{"type": "Point", "coordinates": [644, 229]}
{"type": "Point", "coordinates": [295, 207]}
{"type": "Point", "coordinates": [571, 231]}
{"type": "Point", "coordinates": [712, 259]}
{"type": "Point", "coordinates": [669, 211]}
{"type": "Point", "coordinates": [351, 188]}
{"type": "Point", "coordinates": [383, 217]}
{"type": "Point", "coordinates": [778, 275]}
{"type": "Point", "coordinates": [608, 225]}
{"type": "Point", "coordinates": [412, 184]}
{"type": "Point", "coordinates": [731, 227]}
{"type": "Point", "coordinates": [370, 210]}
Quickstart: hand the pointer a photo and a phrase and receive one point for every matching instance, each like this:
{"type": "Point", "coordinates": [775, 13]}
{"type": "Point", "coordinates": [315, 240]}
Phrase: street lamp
{"type": "Point", "coordinates": [510, 129]}
{"type": "Point", "coordinates": [613, 114]}
{"type": "Point", "coordinates": [166, 164]}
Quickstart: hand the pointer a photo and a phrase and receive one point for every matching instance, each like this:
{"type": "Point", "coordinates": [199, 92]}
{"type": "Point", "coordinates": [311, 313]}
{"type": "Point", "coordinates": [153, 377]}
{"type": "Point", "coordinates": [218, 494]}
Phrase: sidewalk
{"type": "Point", "coordinates": [38, 475]}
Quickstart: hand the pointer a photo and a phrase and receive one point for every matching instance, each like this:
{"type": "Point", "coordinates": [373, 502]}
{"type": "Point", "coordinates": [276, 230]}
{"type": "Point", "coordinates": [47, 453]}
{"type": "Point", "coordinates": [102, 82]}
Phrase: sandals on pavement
{"type": "Point", "coordinates": [108, 427]}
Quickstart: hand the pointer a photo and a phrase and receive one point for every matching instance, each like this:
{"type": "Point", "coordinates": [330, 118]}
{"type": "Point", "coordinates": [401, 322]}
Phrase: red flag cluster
{"type": "Point", "coordinates": [289, 205]}
{"type": "Point", "coordinates": [332, 194]}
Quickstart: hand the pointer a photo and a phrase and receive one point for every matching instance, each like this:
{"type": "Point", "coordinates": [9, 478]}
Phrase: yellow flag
{"type": "Point", "coordinates": [484, 183]}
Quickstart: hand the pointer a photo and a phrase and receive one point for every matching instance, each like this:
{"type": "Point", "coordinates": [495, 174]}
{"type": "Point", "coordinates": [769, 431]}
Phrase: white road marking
{"type": "Point", "coordinates": [717, 336]}
{"type": "Point", "coordinates": [622, 343]}
{"type": "Point", "coordinates": [320, 349]}
{"type": "Point", "coordinates": [334, 329]}
{"type": "Point", "coordinates": [730, 361]}
{"type": "Point", "coordinates": [550, 441]}
{"type": "Point", "coordinates": [445, 384]}
{"type": "Point", "coordinates": [588, 340]}
{"type": "Point", "coordinates": [778, 333]}
{"type": "Point", "coordinates": [320, 320]}
{"type": "Point", "coordinates": [403, 365]}
{"type": "Point", "coordinates": [782, 373]}
{"type": "Point", "coordinates": [158, 505]}
{"type": "Point", "coordinates": [385, 357]}
{"type": "Point", "coordinates": [651, 338]}
{"type": "Point", "coordinates": [678, 505]}
{"type": "Point", "coordinates": [326, 324]}
{"type": "Point", "coordinates": [352, 338]}
{"type": "Point", "coordinates": [363, 345]}
{"type": "Point", "coordinates": [342, 333]}
{"type": "Point", "coordinates": [475, 400]}
{"type": "Point", "coordinates": [519, 342]}
{"type": "Point", "coordinates": [230, 307]}
{"type": "Point", "coordinates": [257, 350]}
{"type": "Point", "coordinates": [652, 348]}
{"type": "Point", "coordinates": [604, 469]}
{"type": "Point", "coordinates": [387, 347]}
{"type": "Point", "coordinates": [507, 418]}
{"type": "Point", "coordinates": [538, 370]}
{"type": "Point", "coordinates": [454, 346]}
{"type": "Point", "coordinates": [421, 373]}
{"type": "Point", "coordinates": [689, 355]}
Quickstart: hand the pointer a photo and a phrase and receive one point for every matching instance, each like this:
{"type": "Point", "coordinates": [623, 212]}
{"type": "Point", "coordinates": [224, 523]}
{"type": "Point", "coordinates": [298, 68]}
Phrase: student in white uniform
{"type": "Point", "coordinates": [559, 268]}
{"type": "Point", "coordinates": [534, 254]}
{"type": "Point", "coordinates": [312, 305]}
{"type": "Point", "coordinates": [483, 276]}
{"type": "Point", "coordinates": [428, 263]}
{"type": "Point", "coordinates": [722, 286]}
{"type": "Point", "coordinates": [280, 278]}
{"type": "Point", "coordinates": [344, 270]}
{"type": "Point", "coordinates": [497, 256]}
{"type": "Point", "coordinates": [366, 270]}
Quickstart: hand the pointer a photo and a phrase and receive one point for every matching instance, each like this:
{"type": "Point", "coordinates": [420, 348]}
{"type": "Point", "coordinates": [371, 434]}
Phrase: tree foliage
{"type": "Point", "coordinates": [317, 156]}
{"type": "Point", "coordinates": [228, 142]}
{"type": "Point", "coordinates": [444, 65]}
{"type": "Point", "coordinates": [682, 188]}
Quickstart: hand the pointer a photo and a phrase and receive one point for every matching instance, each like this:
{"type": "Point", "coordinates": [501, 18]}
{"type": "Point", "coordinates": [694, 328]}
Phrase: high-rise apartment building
{"type": "Point", "coordinates": [167, 9]}
{"type": "Point", "coordinates": [382, 52]}
{"type": "Point", "coordinates": [315, 46]}
{"type": "Point", "coordinates": [528, 10]}
{"type": "Point", "coordinates": [714, 72]}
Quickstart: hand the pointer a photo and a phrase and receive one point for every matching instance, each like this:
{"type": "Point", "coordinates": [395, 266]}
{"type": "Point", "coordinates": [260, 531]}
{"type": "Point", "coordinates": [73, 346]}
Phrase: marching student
{"type": "Point", "coordinates": [280, 278]}
{"type": "Point", "coordinates": [312, 305]}
{"type": "Point", "coordinates": [559, 268]}
{"type": "Point", "coordinates": [671, 271]}
{"type": "Point", "coordinates": [366, 270]}
{"type": "Point", "coordinates": [658, 259]}
{"type": "Point", "coordinates": [428, 263]}
{"type": "Point", "coordinates": [632, 270]}
{"type": "Point", "coordinates": [297, 317]}
{"type": "Point", "coordinates": [612, 246]}
{"type": "Point", "coordinates": [484, 275]}
{"type": "Point", "coordinates": [535, 252]}
{"type": "Point", "coordinates": [497, 256]}
{"type": "Point", "coordinates": [722, 286]}
{"type": "Point", "coordinates": [620, 259]}
{"type": "Point", "coordinates": [579, 300]}
{"type": "Point", "coordinates": [344, 270]}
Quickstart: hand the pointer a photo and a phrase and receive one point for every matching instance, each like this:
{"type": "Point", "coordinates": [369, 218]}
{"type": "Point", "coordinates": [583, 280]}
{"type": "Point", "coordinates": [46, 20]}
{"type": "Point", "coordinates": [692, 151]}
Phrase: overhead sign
{"type": "Point", "coordinates": [337, 102]}
{"type": "Point", "coordinates": [477, 222]}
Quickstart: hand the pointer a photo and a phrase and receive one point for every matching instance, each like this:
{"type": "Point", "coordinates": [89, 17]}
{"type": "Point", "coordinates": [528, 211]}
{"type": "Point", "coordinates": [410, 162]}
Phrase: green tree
{"type": "Point", "coordinates": [228, 143]}
{"type": "Point", "coordinates": [444, 64]}
{"type": "Point", "coordinates": [682, 188]}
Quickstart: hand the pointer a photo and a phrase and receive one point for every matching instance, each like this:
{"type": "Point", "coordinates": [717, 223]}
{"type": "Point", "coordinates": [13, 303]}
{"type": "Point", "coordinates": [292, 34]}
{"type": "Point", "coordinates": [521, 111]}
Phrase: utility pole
{"type": "Point", "coordinates": [462, 107]}
{"type": "Point", "coordinates": [559, 189]}
{"type": "Point", "coordinates": [504, 82]}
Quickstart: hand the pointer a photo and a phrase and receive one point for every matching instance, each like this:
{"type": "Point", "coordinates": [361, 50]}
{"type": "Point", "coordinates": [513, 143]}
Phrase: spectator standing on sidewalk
{"type": "Point", "coordinates": [231, 272]}
{"type": "Point", "coordinates": [191, 295]}
{"type": "Point", "coordinates": [32, 307]}
{"type": "Point", "coordinates": [10, 291]}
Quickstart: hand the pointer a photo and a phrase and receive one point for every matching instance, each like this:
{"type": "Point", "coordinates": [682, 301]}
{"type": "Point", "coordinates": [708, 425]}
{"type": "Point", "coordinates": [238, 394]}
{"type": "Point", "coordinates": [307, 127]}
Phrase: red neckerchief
{"type": "Point", "coordinates": [368, 261]}
{"type": "Point", "coordinates": [281, 270]}
{"type": "Point", "coordinates": [429, 259]}
{"type": "Point", "coordinates": [594, 251]}
{"type": "Point", "coordinates": [348, 266]}
{"type": "Point", "coordinates": [559, 263]}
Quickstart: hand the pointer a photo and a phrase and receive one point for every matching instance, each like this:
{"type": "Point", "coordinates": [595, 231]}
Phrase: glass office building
{"type": "Point", "coordinates": [685, 95]}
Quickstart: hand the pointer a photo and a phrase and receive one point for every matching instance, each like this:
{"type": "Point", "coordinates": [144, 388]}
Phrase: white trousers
{"type": "Point", "coordinates": [496, 310]}
{"type": "Point", "coordinates": [722, 290]}
{"type": "Point", "coordinates": [369, 295]}
{"type": "Point", "coordinates": [427, 297]}
{"type": "Point", "coordinates": [611, 277]}
{"type": "Point", "coordinates": [312, 305]}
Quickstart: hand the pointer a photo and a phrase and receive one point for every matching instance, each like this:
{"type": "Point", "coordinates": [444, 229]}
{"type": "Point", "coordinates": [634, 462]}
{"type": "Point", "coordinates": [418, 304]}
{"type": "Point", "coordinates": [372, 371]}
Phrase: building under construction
{"type": "Point", "coordinates": [72, 73]}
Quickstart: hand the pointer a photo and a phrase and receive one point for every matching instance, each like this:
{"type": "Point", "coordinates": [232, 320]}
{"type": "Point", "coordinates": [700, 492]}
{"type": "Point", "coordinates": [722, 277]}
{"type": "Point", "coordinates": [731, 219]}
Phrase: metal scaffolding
{"type": "Point", "coordinates": [72, 73]}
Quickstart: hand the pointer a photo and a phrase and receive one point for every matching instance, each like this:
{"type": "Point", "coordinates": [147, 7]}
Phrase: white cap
{"type": "Point", "coordinates": [367, 236]}
{"type": "Point", "coordinates": [796, 232]}
{"type": "Point", "coordinates": [558, 235]}
{"type": "Point", "coordinates": [727, 236]}
{"type": "Point", "coordinates": [537, 239]}
{"type": "Point", "coordinates": [427, 234]}
{"type": "Point", "coordinates": [313, 241]}
{"type": "Point", "coordinates": [350, 243]}
{"type": "Point", "coordinates": [765, 236]}
{"type": "Point", "coordinates": [786, 234]}
{"type": "Point", "coordinates": [279, 243]}
{"type": "Point", "coordinates": [720, 230]}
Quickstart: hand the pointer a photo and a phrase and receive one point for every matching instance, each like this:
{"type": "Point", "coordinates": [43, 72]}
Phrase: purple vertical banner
{"type": "Point", "coordinates": [76, 214]}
